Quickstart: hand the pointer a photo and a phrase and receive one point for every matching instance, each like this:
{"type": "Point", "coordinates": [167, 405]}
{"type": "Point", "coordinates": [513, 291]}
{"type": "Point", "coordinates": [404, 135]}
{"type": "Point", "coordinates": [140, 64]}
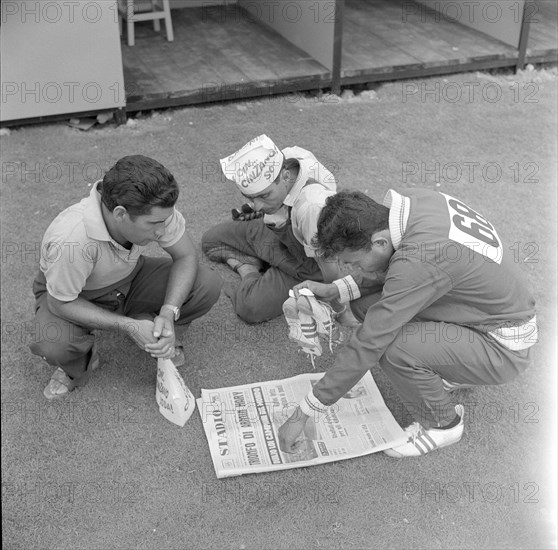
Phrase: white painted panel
{"type": "Point", "coordinates": [500, 19]}
{"type": "Point", "coordinates": [59, 57]}
{"type": "Point", "coordinates": [308, 24]}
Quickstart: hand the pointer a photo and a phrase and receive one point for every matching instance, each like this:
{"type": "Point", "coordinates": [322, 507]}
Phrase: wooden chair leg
{"type": "Point", "coordinates": [168, 20]}
{"type": "Point", "coordinates": [156, 22]}
{"type": "Point", "coordinates": [130, 22]}
{"type": "Point", "coordinates": [131, 35]}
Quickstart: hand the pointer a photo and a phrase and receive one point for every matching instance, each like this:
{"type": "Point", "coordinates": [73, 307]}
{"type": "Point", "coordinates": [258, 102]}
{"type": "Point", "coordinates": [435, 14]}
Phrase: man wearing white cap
{"type": "Point", "coordinates": [273, 253]}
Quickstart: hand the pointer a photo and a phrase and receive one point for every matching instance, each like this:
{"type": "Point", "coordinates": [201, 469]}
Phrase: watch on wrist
{"type": "Point", "coordinates": [175, 310]}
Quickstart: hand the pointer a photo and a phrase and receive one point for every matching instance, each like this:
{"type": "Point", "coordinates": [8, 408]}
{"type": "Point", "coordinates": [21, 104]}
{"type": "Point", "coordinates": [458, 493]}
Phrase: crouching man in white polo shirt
{"type": "Point", "coordinates": [93, 275]}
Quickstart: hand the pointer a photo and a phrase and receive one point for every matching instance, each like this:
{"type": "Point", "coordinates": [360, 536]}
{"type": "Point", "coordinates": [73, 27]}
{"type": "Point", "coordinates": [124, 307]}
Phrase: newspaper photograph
{"type": "Point", "coordinates": [241, 424]}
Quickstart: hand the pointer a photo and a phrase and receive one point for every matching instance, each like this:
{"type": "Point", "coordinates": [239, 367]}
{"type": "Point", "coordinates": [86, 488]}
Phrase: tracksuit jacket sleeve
{"type": "Point", "coordinates": [410, 287]}
{"type": "Point", "coordinates": [357, 284]}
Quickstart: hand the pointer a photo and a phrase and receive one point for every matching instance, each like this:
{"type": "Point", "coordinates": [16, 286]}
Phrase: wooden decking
{"type": "Point", "coordinates": [219, 53]}
{"type": "Point", "coordinates": [542, 46]}
{"type": "Point", "coordinates": [380, 43]}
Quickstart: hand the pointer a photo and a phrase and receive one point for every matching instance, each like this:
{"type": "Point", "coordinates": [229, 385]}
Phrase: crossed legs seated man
{"type": "Point", "coordinates": [274, 252]}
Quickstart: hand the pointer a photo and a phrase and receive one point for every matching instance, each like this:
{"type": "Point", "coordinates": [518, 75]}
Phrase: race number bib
{"type": "Point", "coordinates": [470, 229]}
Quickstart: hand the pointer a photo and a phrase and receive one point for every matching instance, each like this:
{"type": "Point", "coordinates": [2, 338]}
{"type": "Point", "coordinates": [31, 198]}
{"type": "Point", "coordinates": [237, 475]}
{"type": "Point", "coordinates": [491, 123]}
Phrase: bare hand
{"type": "Point", "coordinates": [163, 330]}
{"type": "Point", "coordinates": [246, 213]}
{"type": "Point", "coordinates": [321, 290]}
{"type": "Point", "coordinates": [290, 430]}
{"type": "Point", "coordinates": [141, 332]}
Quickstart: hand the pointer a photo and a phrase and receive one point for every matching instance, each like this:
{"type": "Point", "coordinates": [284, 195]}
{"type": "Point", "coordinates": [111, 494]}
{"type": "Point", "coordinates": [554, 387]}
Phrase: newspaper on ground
{"type": "Point", "coordinates": [241, 424]}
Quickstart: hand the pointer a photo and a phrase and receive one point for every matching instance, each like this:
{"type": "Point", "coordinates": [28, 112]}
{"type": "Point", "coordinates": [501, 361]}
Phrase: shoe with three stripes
{"type": "Point", "coordinates": [309, 340]}
{"type": "Point", "coordinates": [422, 441]}
{"type": "Point", "coordinates": [323, 316]}
{"type": "Point", "coordinates": [302, 329]}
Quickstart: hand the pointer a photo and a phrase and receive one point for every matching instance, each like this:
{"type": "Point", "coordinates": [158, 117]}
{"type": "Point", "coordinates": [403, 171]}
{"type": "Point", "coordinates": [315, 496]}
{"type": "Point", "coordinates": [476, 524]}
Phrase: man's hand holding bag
{"type": "Point", "coordinates": [175, 400]}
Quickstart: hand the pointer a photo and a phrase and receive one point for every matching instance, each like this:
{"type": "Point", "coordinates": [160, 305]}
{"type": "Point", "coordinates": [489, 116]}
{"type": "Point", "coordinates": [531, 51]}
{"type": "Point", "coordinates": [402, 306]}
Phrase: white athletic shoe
{"type": "Point", "coordinates": [302, 329]}
{"type": "Point", "coordinates": [422, 441]}
{"type": "Point", "coordinates": [322, 314]}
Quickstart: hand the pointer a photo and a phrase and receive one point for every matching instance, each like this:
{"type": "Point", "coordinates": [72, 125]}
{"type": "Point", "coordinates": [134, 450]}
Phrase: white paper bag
{"type": "Point", "coordinates": [175, 400]}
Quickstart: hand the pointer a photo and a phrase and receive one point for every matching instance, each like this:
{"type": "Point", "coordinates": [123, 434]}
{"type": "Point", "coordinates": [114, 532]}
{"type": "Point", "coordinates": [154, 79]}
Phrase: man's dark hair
{"type": "Point", "coordinates": [288, 164]}
{"type": "Point", "coordinates": [347, 221]}
{"type": "Point", "coordinates": [138, 183]}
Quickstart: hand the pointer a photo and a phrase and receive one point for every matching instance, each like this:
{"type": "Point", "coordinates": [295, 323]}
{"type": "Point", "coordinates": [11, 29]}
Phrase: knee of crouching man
{"type": "Point", "coordinates": [251, 312]}
{"type": "Point", "coordinates": [52, 352]}
{"type": "Point", "coordinates": [210, 239]}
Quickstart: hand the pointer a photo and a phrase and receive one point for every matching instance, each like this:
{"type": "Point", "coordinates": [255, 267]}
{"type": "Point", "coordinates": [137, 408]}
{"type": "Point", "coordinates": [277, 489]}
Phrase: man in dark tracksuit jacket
{"type": "Point", "coordinates": [454, 310]}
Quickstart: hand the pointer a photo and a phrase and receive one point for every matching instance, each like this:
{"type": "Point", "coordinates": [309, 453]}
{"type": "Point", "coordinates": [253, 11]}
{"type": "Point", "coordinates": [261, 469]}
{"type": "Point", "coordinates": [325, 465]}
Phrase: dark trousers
{"type": "Point", "coordinates": [260, 298]}
{"type": "Point", "coordinates": [68, 346]}
{"type": "Point", "coordinates": [424, 352]}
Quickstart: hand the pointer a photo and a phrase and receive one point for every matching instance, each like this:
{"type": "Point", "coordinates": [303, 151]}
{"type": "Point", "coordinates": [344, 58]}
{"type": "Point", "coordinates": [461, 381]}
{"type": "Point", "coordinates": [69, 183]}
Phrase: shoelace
{"type": "Point", "coordinates": [302, 330]}
{"type": "Point", "coordinates": [310, 354]}
{"type": "Point", "coordinates": [324, 316]}
{"type": "Point", "coordinates": [315, 319]}
{"type": "Point", "coordinates": [319, 313]}
{"type": "Point", "coordinates": [414, 431]}
{"type": "Point", "coordinates": [309, 331]}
